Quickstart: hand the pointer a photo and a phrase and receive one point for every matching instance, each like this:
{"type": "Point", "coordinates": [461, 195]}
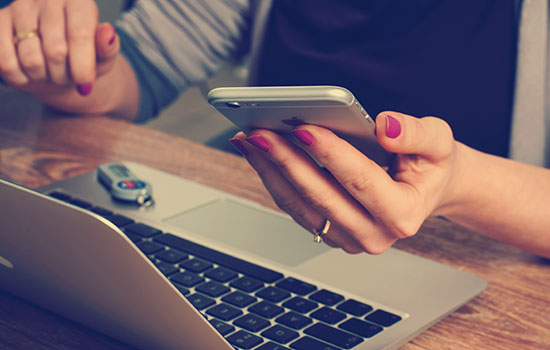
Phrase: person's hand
{"type": "Point", "coordinates": [52, 46]}
{"type": "Point", "coordinates": [368, 207]}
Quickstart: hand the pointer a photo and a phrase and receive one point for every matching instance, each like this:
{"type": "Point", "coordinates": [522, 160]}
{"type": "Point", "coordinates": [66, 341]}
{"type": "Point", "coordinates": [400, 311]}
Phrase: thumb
{"type": "Point", "coordinates": [429, 137]}
{"type": "Point", "coordinates": [107, 46]}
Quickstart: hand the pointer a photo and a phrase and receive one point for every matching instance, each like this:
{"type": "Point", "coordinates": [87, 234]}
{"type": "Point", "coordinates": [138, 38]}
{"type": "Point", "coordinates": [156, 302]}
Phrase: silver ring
{"type": "Point", "coordinates": [318, 234]}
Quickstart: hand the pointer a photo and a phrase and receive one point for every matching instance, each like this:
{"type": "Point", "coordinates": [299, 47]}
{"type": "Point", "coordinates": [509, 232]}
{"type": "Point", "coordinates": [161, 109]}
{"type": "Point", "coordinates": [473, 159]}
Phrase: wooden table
{"type": "Point", "coordinates": [38, 148]}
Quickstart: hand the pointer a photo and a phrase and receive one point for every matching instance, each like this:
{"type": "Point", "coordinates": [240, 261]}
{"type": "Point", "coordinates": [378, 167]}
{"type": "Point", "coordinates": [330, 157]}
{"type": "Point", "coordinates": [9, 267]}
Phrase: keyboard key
{"type": "Point", "coordinates": [60, 195]}
{"type": "Point", "coordinates": [133, 237]}
{"type": "Point", "coordinates": [272, 346]}
{"type": "Point", "coordinates": [280, 334]}
{"type": "Point", "coordinates": [326, 297]}
{"type": "Point", "coordinates": [142, 230]}
{"type": "Point", "coordinates": [222, 327]}
{"type": "Point", "coordinates": [149, 247]}
{"type": "Point", "coordinates": [354, 307]}
{"type": "Point", "coordinates": [252, 323]}
{"type": "Point", "coordinates": [362, 328]}
{"type": "Point", "coordinates": [171, 256]}
{"type": "Point", "coordinates": [247, 284]}
{"type": "Point", "coordinates": [294, 320]}
{"type": "Point", "coordinates": [383, 318]}
{"type": "Point", "coordinates": [224, 312]}
{"type": "Point", "coordinates": [200, 301]}
{"type": "Point", "coordinates": [80, 203]}
{"type": "Point", "coordinates": [307, 343]}
{"type": "Point", "coordinates": [296, 286]}
{"type": "Point", "coordinates": [101, 211]}
{"type": "Point", "coordinates": [181, 288]}
{"type": "Point", "coordinates": [273, 294]}
{"type": "Point", "coordinates": [166, 269]}
{"type": "Point", "coordinates": [300, 304]}
{"type": "Point", "coordinates": [333, 336]}
{"type": "Point", "coordinates": [119, 220]}
{"type": "Point", "coordinates": [266, 309]}
{"type": "Point", "coordinates": [196, 265]}
{"type": "Point", "coordinates": [213, 289]}
{"type": "Point", "coordinates": [328, 315]}
{"type": "Point", "coordinates": [186, 278]}
{"type": "Point", "coordinates": [231, 262]}
{"type": "Point", "coordinates": [221, 274]}
{"type": "Point", "coordinates": [244, 340]}
{"type": "Point", "coordinates": [239, 299]}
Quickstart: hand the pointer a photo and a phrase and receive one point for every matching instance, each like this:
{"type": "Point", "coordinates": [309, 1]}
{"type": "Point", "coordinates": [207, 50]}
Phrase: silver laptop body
{"type": "Point", "coordinates": [82, 266]}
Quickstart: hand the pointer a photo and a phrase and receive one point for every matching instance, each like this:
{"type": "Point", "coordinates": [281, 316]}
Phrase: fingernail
{"type": "Point", "coordinates": [303, 136]}
{"type": "Point", "coordinates": [258, 142]}
{"type": "Point", "coordinates": [238, 144]}
{"type": "Point", "coordinates": [84, 89]}
{"type": "Point", "coordinates": [393, 128]}
{"type": "Point", "coordinates": [112, 41]}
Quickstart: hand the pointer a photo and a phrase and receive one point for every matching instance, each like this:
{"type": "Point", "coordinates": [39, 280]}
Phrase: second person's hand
{"type": "Point", "coordinates": [52, 46]}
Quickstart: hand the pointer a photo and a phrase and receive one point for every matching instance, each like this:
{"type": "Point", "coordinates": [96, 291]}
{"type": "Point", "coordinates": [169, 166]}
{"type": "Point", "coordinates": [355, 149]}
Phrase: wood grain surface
{"type": "Point", "coordinates": [39, 148]}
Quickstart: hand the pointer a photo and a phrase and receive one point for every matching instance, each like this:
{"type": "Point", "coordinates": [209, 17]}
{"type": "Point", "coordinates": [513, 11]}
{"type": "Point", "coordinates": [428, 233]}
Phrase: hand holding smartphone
{"type": "Point", "coordinates": [282, 108]}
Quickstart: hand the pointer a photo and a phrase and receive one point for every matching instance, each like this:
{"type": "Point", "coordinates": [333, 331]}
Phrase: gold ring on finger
{"type": "Point", "coordinates": [25, 34]}
{"type": "Point", "coordinates": [318, 234]}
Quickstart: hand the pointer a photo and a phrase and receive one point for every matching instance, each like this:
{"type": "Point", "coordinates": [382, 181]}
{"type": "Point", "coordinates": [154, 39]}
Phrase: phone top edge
{"type": "Point", "coordinates": [286, 93]}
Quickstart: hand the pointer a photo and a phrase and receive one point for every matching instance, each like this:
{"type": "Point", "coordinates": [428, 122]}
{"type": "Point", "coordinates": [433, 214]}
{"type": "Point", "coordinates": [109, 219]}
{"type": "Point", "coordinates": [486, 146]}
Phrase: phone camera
{"type": "Point", "coordinates": [233, 104]}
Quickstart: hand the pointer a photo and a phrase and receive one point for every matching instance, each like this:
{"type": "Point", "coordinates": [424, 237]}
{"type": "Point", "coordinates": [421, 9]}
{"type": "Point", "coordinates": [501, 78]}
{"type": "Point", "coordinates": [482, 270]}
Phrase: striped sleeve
{"type": "Point", "coordinates": [173, 44]}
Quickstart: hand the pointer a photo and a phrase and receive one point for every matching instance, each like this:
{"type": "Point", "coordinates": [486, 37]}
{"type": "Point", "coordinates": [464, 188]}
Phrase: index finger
{"type": "Point", "coordinates": [82, 20]}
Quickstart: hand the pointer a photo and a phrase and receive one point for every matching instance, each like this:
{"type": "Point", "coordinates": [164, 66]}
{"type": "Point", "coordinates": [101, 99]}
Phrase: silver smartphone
{"type": "Point", "coordinates": [282, 108]}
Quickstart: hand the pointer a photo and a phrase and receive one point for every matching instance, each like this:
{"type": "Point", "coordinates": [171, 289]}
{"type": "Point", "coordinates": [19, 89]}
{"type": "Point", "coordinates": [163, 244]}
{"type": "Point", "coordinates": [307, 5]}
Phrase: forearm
{"type": "Point", "coordinates": [114, 93]}
{"type": "Point", "coordinates": [501, 198]}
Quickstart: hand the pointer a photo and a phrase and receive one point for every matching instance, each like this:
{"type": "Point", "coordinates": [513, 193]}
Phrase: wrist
{"type": "Point", "coordinates": [459, 185]}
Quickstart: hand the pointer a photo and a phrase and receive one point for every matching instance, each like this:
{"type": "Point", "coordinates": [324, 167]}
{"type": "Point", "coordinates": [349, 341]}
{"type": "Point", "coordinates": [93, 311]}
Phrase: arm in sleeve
{"type": "Point", "coordinates": [173, 44]}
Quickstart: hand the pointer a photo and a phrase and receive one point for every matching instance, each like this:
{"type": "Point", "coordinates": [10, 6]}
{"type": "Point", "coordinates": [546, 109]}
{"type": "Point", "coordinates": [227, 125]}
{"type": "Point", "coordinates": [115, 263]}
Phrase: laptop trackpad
{"type": "Point", "coordinates": [251, 229]}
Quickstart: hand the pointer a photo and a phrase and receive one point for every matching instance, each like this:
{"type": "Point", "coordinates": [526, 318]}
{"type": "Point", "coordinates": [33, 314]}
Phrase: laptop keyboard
{"type": "Point", "coordinates": [253, 307]}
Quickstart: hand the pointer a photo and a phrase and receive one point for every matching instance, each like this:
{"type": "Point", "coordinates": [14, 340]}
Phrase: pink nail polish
{"type": "Point", "coordinates": [303, 136]}
{"type": "Point", "coordinates": [84, 89]}
{"type": "Point", "coordinates": [112, 40]}
{"type": "Point", "coordinates": [238, 144]}
{"type": "Point", "coordinates": [258, 142]}
{"type": "Point", "coordinates": [393, 128]}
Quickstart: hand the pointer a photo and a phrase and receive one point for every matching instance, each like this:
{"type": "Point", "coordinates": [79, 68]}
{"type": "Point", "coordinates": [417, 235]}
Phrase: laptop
{"type": "Point", "coordinates": [204, 269]}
